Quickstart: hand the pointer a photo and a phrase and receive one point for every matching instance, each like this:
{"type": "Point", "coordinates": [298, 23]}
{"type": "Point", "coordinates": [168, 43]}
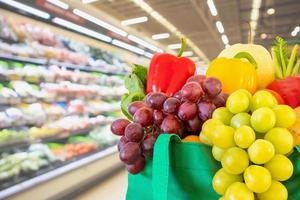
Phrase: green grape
{"type": "Point", "coordinates": [282, 140]}
{"type": "Point", "coordinates": [277, 191]}
{"type": "Point", "coordinates": [204, 139]}
{"type": "Point", "coordinates": [257, 178]}
{"type": "Point", "coordinates": [223, 136]}
{"type": "Point", "coordinates": [238, 102]}
{"type": "Point", "coordinates": [222, 114]}
{"type": "Point", "coordinates": [209, 126]}
{"type": "Point", "coordinates": [261, 99]}
{"type": "Point", "coordinates": [263, 119]}
{"type": "Point", "coordinates": [261, 151]}
{"type": "Point", "coordinates": [222, 180]}
{"type": "Point", "coordinates": [285, 116]}
{"type": "Point", "coordinates": [240, 119]}
{"type": "Point", "coordinates": [238, 191]}
{"type": "Point", "coordinates": [235, 160]}
{"type": "Point", "coordinates": [244, 136]}
{"type": "Point", "coordinates": [260, 135]}
{"type": "Point", "coordinates": [280, 167]}
{"type": "Point", "coordinates": [217, 152]}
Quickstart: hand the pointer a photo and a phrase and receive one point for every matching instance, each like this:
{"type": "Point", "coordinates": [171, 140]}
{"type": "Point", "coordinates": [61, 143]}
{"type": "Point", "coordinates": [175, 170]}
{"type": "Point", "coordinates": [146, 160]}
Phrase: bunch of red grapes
{"type": "Point", "coordinates": [183, 114]}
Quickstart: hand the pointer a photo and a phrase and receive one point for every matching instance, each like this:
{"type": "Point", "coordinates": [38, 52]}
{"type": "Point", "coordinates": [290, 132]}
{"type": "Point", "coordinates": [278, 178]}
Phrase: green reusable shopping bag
{"type": "Point", "coordinates": [184, 171]}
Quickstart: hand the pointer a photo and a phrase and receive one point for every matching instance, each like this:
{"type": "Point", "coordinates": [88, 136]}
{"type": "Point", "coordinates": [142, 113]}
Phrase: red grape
{"type": "Point", "coordinates": [143, 116]}
{"type": "Point", "coordinates": [134, 106]}
{"type": "Point", "coordinates": [146, 98]}
{"type": "Point", "coordinates": [205, 110]}
{"type": "Point", "coordinates": [187, 111]}
{"type": "Point", "coordinates": [171, 125]}
{"type": "Point", "coordinates": [220, 100]}
{"type": "Point", "coordinates": [171, 105]}
{"type": "Point", "coordinates": [197, 78]}
{"type": "Point", "coordinates": [194, 125]}
{"type": "Point", "coordinates": [134, 132]}
{"type": "Point", "coordinates": [148, 145]}
{"type": "Point", "coordinates": [118, 126]}
{"type": "Point", "coordinates": [130, 153]}
{"type": "Point", "coordinates": [212, 87]}
{"type": "Point", "coordinates": [158, 116]}
{"type": "Point", "coordinates": [123, 140]}
{"type": "Point", "coordinates": [178, 95]}
{"type": "Point", "coordinates": [192, 92]}
{"type": "Point", "coordinates": [137, 167]}
{"type": "Point", "coordinates": [156, 100]}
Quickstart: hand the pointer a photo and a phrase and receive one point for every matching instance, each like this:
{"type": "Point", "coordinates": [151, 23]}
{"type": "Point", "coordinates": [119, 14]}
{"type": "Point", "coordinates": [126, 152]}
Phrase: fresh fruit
{"type": "Point", "coordinates": [192, 138]}
{"type": "Point", "coordinates": [277, 96]}
{"type": "Point", "coordinates": [261, 99]}
{"type": "Point", "coordinates": [123, 140]}
{"type": "Point", "coordinates": [261, 151]}
{"type": "Point", "coordinates": [134, 106]}
{"type": "Point", "coordinates": [156, 100]}
{"type": "Point", "coordinates": [194, 125]}
{"type": "Point", "coordinates": [171, 105]}
{"type": "Point", "coordinates": [148, 145]}
{"type": "Point", "coordinates": [220, 100]}
{"type": "Point", "coordinates": [238, 191]}
{"type": "Point", "coordinates": [280, 167]}
{"type": "Point", "coordinates": [263, 119]}
{"type": "Point", "coordinates": [206, 110]}
{"type": "Point", "coordinates": [235, 160]}
{"type": "Point", "coordinates": [217, 152]}
{"type": "Point", "coordinates": [134, 132]}
{"type": "Point", "coordinates": [238, 102]}
{"type": "Point", "coordinates": [223, 136]}
{"type": "Point", "coordinates": [130, 153]}
{"type": "Point", "coordinates": [258, 179]}
{"type": "Point", "coordinates": [158, 117]}
{"type": "Point", "coordinates": [244, 136]}
{"type": "Point", "coordinates": [212, 87]}
{"type": "Point", "coordinates": [277, 191]}
{"type": "Point", "coordinates": [171, 124]}
{"type": "Point", "coordinates": [197, 78]}
{"type": "Point", "coordinates": [295, 129]}
{"type": "Point", "coordinates": [285, 116]}
{"type": "Point", "coordinates": [187, 111]}
{"type": "Point", "coordinates": [222, 180]}
{"type": "Point", "coordinates": [282, 140]}
{"type": "Point", "coordinates": [137, 167]}
{"type": "Point", "coordinates": [204, 139]}
{"type": "Point", "coordinates": [240, 119]}
{"type": "Point", "coordinates": [118, 126]}
{"type": "Point", "coordinates": [192, 92]}
{"type": "Point", "coordinates": [222, 114]}
{"type": "Point", "coordinates": [143, 116]}
{"type": "Point", "coordinates": [209, 126]}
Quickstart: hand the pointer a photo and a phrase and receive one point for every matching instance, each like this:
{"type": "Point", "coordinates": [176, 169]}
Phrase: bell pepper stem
{"type": "Point", "coordinates": [182, 48]}
{"type": "Point", "coordinates": [247, 56]}
{"type": "Point", "coordinates": [250, 37]}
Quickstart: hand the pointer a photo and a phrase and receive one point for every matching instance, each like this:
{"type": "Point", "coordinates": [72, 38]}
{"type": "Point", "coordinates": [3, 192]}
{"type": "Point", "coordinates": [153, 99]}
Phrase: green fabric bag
{"type": "Point", "coordinates": [184, 171]}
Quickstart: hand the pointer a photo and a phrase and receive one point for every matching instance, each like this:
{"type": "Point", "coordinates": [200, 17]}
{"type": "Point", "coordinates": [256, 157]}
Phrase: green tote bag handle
{"type": "Point", "coordinates": [161, 165]}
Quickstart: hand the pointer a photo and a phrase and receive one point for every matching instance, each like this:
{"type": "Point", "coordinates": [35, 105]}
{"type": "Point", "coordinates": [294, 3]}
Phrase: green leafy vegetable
{"type": "Point", "coordinates": [141, 72]}
{"type": "Point", "coordinates": [127, 99]}
{"type": "Point", "coordinates": [134, 84]}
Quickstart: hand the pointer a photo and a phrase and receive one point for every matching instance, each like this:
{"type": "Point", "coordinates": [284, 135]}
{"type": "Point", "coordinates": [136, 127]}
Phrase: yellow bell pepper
{"type": "Point", "coordinates": [234, 73]}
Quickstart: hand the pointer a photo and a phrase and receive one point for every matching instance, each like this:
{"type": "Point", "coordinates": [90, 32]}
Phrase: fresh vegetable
{"type": "Point", "coordinates": [234, 73]}
{"type": "Point", "coordinates": [141, 73]}
{"type": "Point", "coordinates": [264, 67]}
{"type": "Point", "coordinates": [287, 84]}
{"type": "Point", "coordinates": [168, 73]}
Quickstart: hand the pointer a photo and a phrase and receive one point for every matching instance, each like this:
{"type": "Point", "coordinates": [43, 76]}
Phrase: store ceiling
{"type": "Point", "coordinates": [193, 19]}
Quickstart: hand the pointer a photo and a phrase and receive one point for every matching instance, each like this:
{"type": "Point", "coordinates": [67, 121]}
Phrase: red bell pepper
{"type": "Point", "coordinates": [168, 73]}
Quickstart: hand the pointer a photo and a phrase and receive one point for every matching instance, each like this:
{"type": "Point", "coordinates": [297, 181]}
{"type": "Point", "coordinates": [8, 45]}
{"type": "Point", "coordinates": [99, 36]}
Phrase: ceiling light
{"type": "Point", "coordinates": [295, 31]}
{"type": "Point", "coordinates": [263, 36]}
{"type": "Point", "coordinates": [212, 7]}
{"type": "Point", "coordinates": [142, 42]}
{"type": "Point", "coordinates": [99, 22]}
{"type": "Point", "coordinates": [270, 11]}
{"type": "Point", "coordinates": [174, 46]}
{"type": "Point", "coordinates": [220, 27]}
{"type": "Point", "coordinates": [254, 15]}
{"type": "Point", "coordinates": [160, 36]}
{"type": "Point", "coordinates": [297, 28]}
{"type": "Point", "coordinates": [26, 8]}
{"type": "Point", "coordinates": [81, 29]}
{"type": "Point", "coordinates": [195, 58]}
{"type": "Point", "coordinates": [134, 21]}
{"type": "Point", "coordinates": [225, 39]}
{"type": "Point", "coordinates": [187, 53]}
{"type": "Point", "coordinates": [128, 47]}
{"type": "Point", "coordinates": [148, 55]}
{"type": "Point", "coordinates": [88, 1]}
{"type": "Point", "coordinates": [60, 4]}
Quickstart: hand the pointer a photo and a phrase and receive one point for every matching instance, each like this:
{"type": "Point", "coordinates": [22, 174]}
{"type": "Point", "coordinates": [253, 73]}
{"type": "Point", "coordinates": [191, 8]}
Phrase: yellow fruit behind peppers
{"type": "Point", "coordinates": [234, 74]}
{"type": "Point", "coordinates": [295, 129]}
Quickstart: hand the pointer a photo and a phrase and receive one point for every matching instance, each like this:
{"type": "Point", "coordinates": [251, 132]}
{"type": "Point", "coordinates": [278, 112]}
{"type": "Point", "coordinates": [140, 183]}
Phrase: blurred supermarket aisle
{"type": "Point", "coordinates": [114, 188]}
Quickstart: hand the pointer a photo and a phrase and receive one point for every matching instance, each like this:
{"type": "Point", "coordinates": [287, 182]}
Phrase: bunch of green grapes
{"type": "Point", "coordinates": [250, 138]}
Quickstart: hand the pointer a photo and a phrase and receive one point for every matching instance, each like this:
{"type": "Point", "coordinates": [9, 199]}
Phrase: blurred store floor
{"type": "Point", "coordinates": [114, 188]}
